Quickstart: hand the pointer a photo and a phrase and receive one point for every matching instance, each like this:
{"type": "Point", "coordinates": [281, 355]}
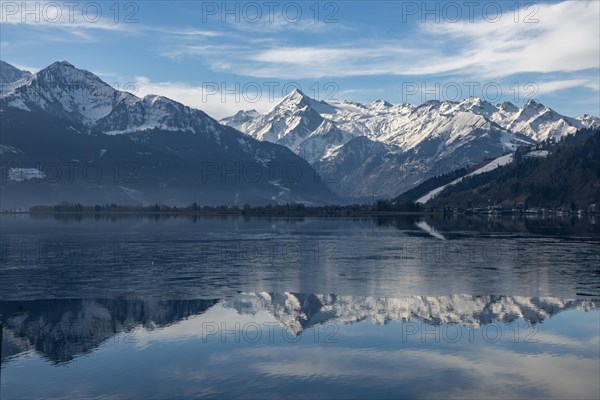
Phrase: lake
{"type": "Point", "coordinates": [376, 307]}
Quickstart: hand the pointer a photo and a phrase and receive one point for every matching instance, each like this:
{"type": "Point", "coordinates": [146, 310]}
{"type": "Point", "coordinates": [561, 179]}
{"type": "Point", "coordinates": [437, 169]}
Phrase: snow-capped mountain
{"type": "Point", "coordinates": [240, 118]}
{"type": "Point", "coordinates": [292, 122]}
{"type": "Point", "coordinates": [417, 139]}
{"type": "Point", "coordinates": [81, 97]}
{"type": "Point", "coordinates": [180, 155]}
{"type": "Point", "coordinates": [589, 121]}
{"type": "Point", "coordinates": [538, 121]}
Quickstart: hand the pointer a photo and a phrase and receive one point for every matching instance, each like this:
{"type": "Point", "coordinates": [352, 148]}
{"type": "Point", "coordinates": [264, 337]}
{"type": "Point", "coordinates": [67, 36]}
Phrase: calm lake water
{"type": "Point", "coordinates": [176, 307]}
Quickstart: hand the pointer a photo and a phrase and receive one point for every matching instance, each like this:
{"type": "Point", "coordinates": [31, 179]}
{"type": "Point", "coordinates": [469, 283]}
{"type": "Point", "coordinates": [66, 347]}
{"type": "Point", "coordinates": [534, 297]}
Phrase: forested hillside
{"type": "Point", "coordinates": [569, 177]}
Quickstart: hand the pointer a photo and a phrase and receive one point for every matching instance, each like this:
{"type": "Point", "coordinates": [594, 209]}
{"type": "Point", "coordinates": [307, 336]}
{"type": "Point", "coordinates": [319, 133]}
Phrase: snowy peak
{"type": "Point", "coordinates": [289, 123]}
{"type": "Point", "coordinates": [430, 105]}
{"type": "Point", "coordinates": [296, 100]}
{"type": "Point", "coordinates": [533, 104]}
{"type": "Point", "coordinates": [240, 118]}
{"type": "Point", "coordinates": [477, 106]}
{"type": "Point", "coordinates": [507, 106]}
{"type": "Point", "coordinates": [531, 109]}
{"type": "Point", "coordinates": [78, 95]}
{"type": "Point", "coordinates": [61, 64]}
{"type": "Point", "coordinates": [64, 91]}
{"type": "Point", "coordinates": [295, 97]}
{"type": "Point", "coordinates": [65, 72]}
{"type": "Point", "coordinates": [535, 120]}
{"type": "Point", "coordinates": [589, 121]}
{"type": "Point", "coordinates": [380, 105]}
{"type": "Point", "coordinates": [414, 138]}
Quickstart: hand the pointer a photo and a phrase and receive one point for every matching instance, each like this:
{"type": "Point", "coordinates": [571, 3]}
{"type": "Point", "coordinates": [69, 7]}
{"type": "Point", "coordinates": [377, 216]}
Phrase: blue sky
{"type": "Point", "coordinates": [222, 57]}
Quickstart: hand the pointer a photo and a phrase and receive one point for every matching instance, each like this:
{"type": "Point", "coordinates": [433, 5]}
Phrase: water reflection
{"type": "Point", "coordinates": [176, 307]}
{"type": "Point", "coordinates": [175, 258]}
{"type": "Point", "coordinates": [302, 345]}
{"type": "Point", "coordinates": [60, 330]}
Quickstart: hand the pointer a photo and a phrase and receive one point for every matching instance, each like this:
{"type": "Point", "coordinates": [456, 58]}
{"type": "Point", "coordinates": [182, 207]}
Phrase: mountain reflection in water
{"type": "Point", "coordinates": [63, 329]}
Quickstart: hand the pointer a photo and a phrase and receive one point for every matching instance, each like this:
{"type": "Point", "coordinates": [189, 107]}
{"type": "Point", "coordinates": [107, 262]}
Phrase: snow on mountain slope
{"type": "Point", "coordinates": [80, 96]}
{"type": "Point", "coordinates": [289, 123]}
{"type": "Point", "coordinates": [492, 165]}
{"type": "Point", "coordinates": [322, 142]}
{"type": "Point", "coordinates": [66, 91]}
{"type": "Point", "coordinates": [61, 100]}
{"type": "Point", "coordinates": [240, 118]}
{"type": "Point", "coordinates": [155, 112]}
{"type": "Point", "coordinates": [404, 126]}
{"type": "Point", "coordinates": [589, 121]}
{"type": "Point", "coordinates": [416, 137]}
{"type": "Point", "coordinates": [537, 121]}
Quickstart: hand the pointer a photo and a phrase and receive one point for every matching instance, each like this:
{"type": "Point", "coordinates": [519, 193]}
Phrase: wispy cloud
{"type": "Point", "coordinates": [566, 39]}
{"type": "Point", "coordinates": [29, 68]}
{"type": "Point", "coordinates": [558, 85]}
{"type": "Point", "coordinates": [215, 102]}
{"type": "Point", "coordinates": [82, 22]}
{"type": "Point", "coordinates": [190, 32]}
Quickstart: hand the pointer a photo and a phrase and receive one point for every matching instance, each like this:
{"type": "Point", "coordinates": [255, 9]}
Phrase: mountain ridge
{"type": "Point", "coordinates": [552, 174]}
{"type": "Point", "coordinates": [62, 115]}
{"type": "Point", "coordinates": [454, 134]}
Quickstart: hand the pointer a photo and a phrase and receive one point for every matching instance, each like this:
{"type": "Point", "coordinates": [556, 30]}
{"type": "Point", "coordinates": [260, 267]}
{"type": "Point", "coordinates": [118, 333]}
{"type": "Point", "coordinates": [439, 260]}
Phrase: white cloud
{"type": "Point", "coordinates": [192, 33]}
{"type": "Point", "coordinates": [22, 67]}
{"type": "Point", "coordinates": [84, 21]}
{"type": "Point", "coordinates": [555, 86]}
{"type": "Point", "coordinates": [566, 39]}
{"type": "Point", "coordinates": [508, 375]}
{"type": "Point", "coordinates": [54, 14]}
{"type": "Point", "coordinates": [218, 103]}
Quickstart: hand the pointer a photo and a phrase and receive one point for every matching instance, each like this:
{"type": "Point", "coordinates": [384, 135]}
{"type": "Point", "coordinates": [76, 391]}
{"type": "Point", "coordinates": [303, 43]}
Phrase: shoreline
{"type": "Point", "coordinates": [225, 213]}
{"type": "Point", "coordinates": [339, 214]}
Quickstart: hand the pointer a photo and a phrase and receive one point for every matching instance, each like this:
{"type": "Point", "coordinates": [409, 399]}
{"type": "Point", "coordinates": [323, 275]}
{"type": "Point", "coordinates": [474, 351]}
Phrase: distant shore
{"type": "Point", "coordinates": [333, 214]}
{"type": "Point", "coordinates": [225, 213]}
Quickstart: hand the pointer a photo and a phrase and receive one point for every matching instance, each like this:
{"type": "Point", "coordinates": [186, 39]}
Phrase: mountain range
{"type": "Point", "coordinates": [363, 149]}
{"type": "Point", "coordinates": [69, 136]}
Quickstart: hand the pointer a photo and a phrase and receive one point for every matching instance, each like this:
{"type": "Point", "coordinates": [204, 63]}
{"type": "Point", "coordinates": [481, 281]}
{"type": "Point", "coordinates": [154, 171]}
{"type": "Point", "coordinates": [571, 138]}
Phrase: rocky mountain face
{"type": "Point", "coordinates": [401, 145]}
{"type": "Point", "coordinates": [59, 121]}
